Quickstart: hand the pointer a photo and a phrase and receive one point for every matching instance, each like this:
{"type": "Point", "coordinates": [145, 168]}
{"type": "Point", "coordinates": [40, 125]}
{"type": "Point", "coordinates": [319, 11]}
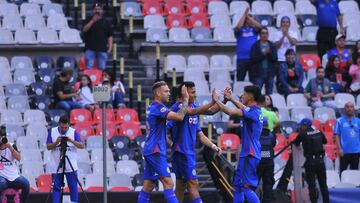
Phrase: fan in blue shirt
{"type": "Point", "coordinates": [184, 134]}
{"type": "Point", "coordinates": [155, 145]}
{"type": "Point", "coordinates": [250, 129]}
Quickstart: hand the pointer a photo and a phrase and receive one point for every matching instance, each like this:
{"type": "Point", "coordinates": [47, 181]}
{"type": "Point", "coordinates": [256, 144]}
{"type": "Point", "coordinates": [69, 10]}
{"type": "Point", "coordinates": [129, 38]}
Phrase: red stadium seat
{"type": "Point", "coordinates": [130, 130]}
{"type": "Point", "coordinates": [120, 189]}
{"type": "Point", "coordinates": [199, 20]}
{"type": "Point", "coordinates": [292, 136]}
{"type": "Point", "coordinates": [95, 189]}
{"type": "Point", "coordinates": [110, 116]}
{"type": "Point", "coordinates": [111, 130]}
{"type": "Point", "coordinates": [152, 8]}
{"type": "Point", "coordinates": [331, 151]}
{"type": "Point", "coordinates": [329, 125]}
{"type": "Point", "coordinates": [126, 115]}
{"type": "Point", "coordinates": [67, 190]}
{"type": "Point", "coordinates": [173, 7]}
{"type": "Point", "coordinates": [309, 61]}
{"type": "Point", "coordinates": [82, 63]}
{"type": "Point", "coordinates": [176, 20]}
{"type": "Point", "coordinates": [85, 129]}
{"type": "Point", "coordinates": [329, 138]}
{"type": "Point", "coordinates": [195, 7]}
{"type": "Point", "coordinates": [317, 124]}
{"type": "Point", "coordinates": [281, 141]}
{"type": "Point", "coordinates": [44, 182]}
{"type": "Point", "coordinates": [76, 86]}
{"type": "Point", "coordinates": [229, 140]}
{"type": "Point", "coordinates": [95, 76]}
{"type": "Point", "coordinates": [80, 115]}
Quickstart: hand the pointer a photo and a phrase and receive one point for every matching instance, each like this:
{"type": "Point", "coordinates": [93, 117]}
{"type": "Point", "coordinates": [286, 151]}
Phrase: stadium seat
{"type": "Point", "coordinates": [173, 7]}
{"type": "Point", "coordinates": [66, 62]}
{"type": "Point", "coordinates": [25, 143]}
{"type": "Point", "coordinates": [154, 21]}
{"type": "Point", "coordinates": [13, 131]}
{"type": "Point", "coordinates": [239, 86]}
{"type": "Point", "coordinates": [19, 103]}
{"type": "Point", "coordinates": [50, 9]}
{"type": "Point", "coordinates": [96, 76]}
{"type": "Point", "coordinates": [111, 130]}
{"type": "Point", "coordinates": [199, 20]}
{"type": "Point", "coordinates": [55, 114]}
{"type": "Point", "coordinates": [200, 62]}
{"type": "Point", "coordinates": [296, 100]}
{"type": "Point", "coordinates": [31, 169]}
{"type": "Point", "coordinates": [119, 142]}
{"type": "Point", "coordinates": [298, 113]}
{"type": "Point", "coordinates": [127, 167]}
{"type": "Point", "coordinates": [70, 36]}
{"type": "Point", "coordinates": [42, 102]}
{"type": "Point", "coordinates": [331, 151]}
{"type": "Point", "coordinates": [179, 35]}
{"type": "Point", "coordinates": [28, 9]}
{"type": "Point", "coordinates": [34, 22]}
{"type": "Point", "coordinates": [352, 33]}
{"type": "Point", "coordinates": [278, 100]}
{"type": "Point", "coordinates": [350, 19]}
{"type": "Point", "coordinates": [218, 74]}
{"type": "Point", "coordinates": [4, 63]}
{"type": "Point", "coordinates": [38, 131]}
{"type": "Point", "coordinates": [348, 7]}
{"type": "Point", "coordinates": [152, 8]}
{"type": "Point", "coordinates": [307, 20]}
{"type": "Point", "coordinates": [34, 116]}
{"type": "Point", "coordinates": [31, 155]}
{"type": "Point", "coordinates": [84, 168]}
{"type": "Point", "coordinates": [130, 129]}
{"type": "Point", "coordinates": [309, 34]}
{"type": "Point", "coordinates": [15, 89]}
{"type": "Point", "coordinates": [330, 138]}
{"type": "Point", "coordinates": [2, 93]}
{"type": "Point", "coordinates": [10, 117]}
{"type": "Point", "coordinates": [80, 115]}
{"type": "Point", "coordinates": [329, 125]}
{"type": "Point", "coordinates": [201, 35]}
{"type": "Point", "coordinates": [176, 61]}
{"type": "Point", "coordinates": [124, 154]}
{"type": "Point", "coordinates": [156, 35]}
{"type": "Point", "coordinates": [12, 22]}
{"type": "Point", "coordinates": [117, 180]}
{"type": "Point", "coordinates": [195, 7]}
{"type": "Point", "coordinates": [8, 9]}
{"type": "Point", "coordinates": [110, 167]}
{"type": "Point", "coordinates": [39, 89]}
{"type": "Point", "coordinates": [238, 7]}
{"type": "Point", "coordinates": [25, 36]}
{"type": "Point", "coordinates": [175, 21]}
{"type": "Point", "coordinates": [324, 113]}
{"type": "Point", "coordinates": [283, 6]}
{"type": "Point", "coordinates": [44, 182]}
{"type": "Point", "coordinates": [288, 127]}
{"type": "Point", "coordinates": [231, 141]}
{"type": "Point", "coordinates": [316, 124]}
{"type": "Point", "coordinates": [24, 76]}
{"type": "Point", "coordinates": [48, 36]}
{"type": "Point", "coordinates": [131, 9]}
{"type": "Point", "coordinates": [40, 1]}
{"type": "Point", "coordinates": [138, 180]}
{"type": "Point", "coordinates": [97, 155]}
{"type": "Point", "coordinates": [21, 62]}
{"type": "Point", "coordinates": [6, 77]}
{"type": "Point", "coordinates": [3, 103]}
{"type": "Point", "coordinates": [93, 183]}
{"type": "Point", "coordinates": [329, 164]}
{"type": "Point", "coordinates": [351, 176]}
{"type": "Point", "coordinates": [202, 88]}
{"type": "Point", "coordinates": [261, 7]}
{"type": "Point", "coordinates": [140, 141]}
{"type": "Point", "coordinates": [221, 62]}
{"type": "Point", "coordinates": [224, 34]}
{"type": "Point", "coordinates": [57, 22]}
{"type": "Point", "coordinates": [332, 178]}
{"type": "Point", "coordinates": [94, 142]}
{"type": "Point", "coordinates": [43, 62]}
{"type": "Point", "coordinates": [85, 129]}
{"type": "Point", "coordinates": [218, 7]}
{"type": "Point", "coordinates": [126, 115]}
{"type": "Point", "coordinates": [304, 7]}
{"type": "Point", "coordinates": [220, 20]}
{"type": "Point", "coordinates": [283, 114]}
{"type": "Point", "coordinates": [309, 61]}
{"type": "Point", "coordinates": [342, 98]}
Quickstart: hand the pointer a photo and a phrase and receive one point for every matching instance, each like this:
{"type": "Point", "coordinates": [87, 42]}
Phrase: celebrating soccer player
{"type": "Point", "coordinates": [155, 146]}
{"type": "Point", "coordinates": [184, 134]}
{"type": "Point", "coordinates": [250, 130]}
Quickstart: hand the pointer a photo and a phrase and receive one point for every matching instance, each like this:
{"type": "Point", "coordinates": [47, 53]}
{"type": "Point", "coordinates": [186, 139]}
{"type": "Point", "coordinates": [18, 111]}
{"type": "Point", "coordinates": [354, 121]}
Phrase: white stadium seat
{"type": "Point", "coordinates": [179, 35]}
{"type": "Point", "coordinates": [218, 7]}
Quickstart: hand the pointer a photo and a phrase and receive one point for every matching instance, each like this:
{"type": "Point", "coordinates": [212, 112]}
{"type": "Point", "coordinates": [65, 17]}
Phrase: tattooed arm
{"type": "Point", "coordinates": [179, 116]}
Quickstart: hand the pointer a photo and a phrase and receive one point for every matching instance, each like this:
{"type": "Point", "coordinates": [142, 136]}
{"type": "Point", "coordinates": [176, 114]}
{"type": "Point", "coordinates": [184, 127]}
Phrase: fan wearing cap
{"type": "Point", "coordinates": [312, 141]}
{"type": "Point", "coordinates": [340, 51]}
{"type": "Point", "coordinates": [98, 38]}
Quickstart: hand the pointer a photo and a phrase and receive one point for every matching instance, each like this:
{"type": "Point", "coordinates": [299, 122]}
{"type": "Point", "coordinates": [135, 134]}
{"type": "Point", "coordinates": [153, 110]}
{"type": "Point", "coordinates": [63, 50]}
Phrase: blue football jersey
{"type": "Point", "coordinates": [156, 121]}
{"type": "Point", "coordinates": [183, 133]}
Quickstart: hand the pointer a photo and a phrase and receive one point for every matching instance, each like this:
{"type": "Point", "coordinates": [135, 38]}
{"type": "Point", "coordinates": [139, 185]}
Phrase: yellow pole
{"type": "Point", "coordinates": [121, 65]}
{"type": "Point", "coordinates": [210, 131]}
{"type": "Point", "coordinates": [130, 79]}
{"type": "Point", "coordinates": [165, 64]}
{"type": "Point", "coordinates": [114, 51]}
{"type": "Point", "coordinates": [131, 24]}
{"type": "Point", "coordinates": [174, 78]}
{"type": "Point", "coordinates": [83, 10]}
{"type": "Point", "coordinates": [139, 93]}
{"type": "Point", "coordinates": [147, 103]}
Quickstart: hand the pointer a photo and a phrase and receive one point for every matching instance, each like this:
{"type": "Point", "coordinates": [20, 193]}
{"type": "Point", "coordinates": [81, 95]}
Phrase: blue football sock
{"type": "Point", "coordinates": [250, 195]}
{"type": "Point", "coordinates": [143, 197]}
{"type": "Point", "coordinates": [196, 200]}
{"type": "Point", "coordinates": [239, 197]}
{"type": "Point", "coordinates": [170, 196]}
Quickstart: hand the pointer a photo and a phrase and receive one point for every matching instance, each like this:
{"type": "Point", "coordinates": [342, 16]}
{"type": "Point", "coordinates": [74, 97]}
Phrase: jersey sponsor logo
{"type": "Point", "coordinates": [163, 109]}
{"type": "Point", "coordinates": [261, 118]}
{"type": "Point", "coordinates": [193, 120]}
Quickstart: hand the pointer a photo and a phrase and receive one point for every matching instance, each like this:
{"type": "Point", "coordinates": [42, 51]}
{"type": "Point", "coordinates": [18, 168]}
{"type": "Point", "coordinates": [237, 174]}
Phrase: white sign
{"type": "Point", "coordinates": [102, 93]}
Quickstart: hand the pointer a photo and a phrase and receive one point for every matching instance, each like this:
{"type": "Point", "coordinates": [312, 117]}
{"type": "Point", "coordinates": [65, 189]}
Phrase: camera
{"type": "Point", "coordinates": [3, 140]}
{"type": "Point", "coordinates": [64, 139]}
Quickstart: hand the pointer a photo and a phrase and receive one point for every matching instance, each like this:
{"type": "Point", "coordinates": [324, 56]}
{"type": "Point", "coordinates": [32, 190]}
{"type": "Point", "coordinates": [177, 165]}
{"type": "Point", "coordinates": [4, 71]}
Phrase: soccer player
{"type": "Point", "coordinates": [245, 179]}
{"type": "Point", "coordinates": [155, 146]}
{"type": "Point", "coordinates": [184, 134]}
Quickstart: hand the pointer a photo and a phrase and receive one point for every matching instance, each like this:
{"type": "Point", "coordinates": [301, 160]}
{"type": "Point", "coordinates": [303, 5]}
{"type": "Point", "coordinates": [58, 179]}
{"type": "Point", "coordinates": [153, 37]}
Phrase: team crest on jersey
{"type": "Point", "coordinates": [247, 109]}
{"type": "Point", "coordinates": [163, 109]}
{"type": "Point", "coordinates": [194, 172]}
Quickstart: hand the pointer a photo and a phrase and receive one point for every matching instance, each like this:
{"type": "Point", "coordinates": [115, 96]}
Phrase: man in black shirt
{"type": "Point", "coordinates": [64, 95]}
{"type": "Point", "coordinates": [98, 38]}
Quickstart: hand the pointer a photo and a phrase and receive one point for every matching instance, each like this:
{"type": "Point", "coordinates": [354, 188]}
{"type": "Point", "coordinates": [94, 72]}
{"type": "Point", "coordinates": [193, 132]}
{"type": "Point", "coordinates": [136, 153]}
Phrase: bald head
{"type": "Point", "coordinates": [349, 109]}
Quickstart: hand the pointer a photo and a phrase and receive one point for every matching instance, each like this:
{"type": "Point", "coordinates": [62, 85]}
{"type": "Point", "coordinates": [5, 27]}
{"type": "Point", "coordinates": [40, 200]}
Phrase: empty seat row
{"type": "Point", "coordinates": [28, 9]}
{"type": "Point", "coordinates": [34, 22]}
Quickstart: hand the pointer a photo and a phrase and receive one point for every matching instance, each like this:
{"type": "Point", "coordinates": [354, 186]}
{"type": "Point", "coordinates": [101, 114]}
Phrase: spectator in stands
{"type": "Point", "coordinates": [335, 74]}
{"type": "Point", "coordinates": [64, 92]}
{"type": "Point", "coordinates": [291, 75]}
{"type": "Point", "coordinates": [328, 14]}
{"type": "Point", "coordinates": [263, 57]}
{"type": "Point", "coordinates": [118, 89]}
{"type": "Point", "coordinates": [86, 93]}
{"type": "Point", "coordinates": [98, 38]}
{"type": "Point", "coordinates": [270, 116]}
{"type": "Point", "coordinates": [246, 33]}
{"type": "Point", "coordinates": [347, 131]}
{"type": "Point", "coordinates": [9, 171]}
{"type": "Point", "coordinates": [234, 125]}
{"type": "Point", "coordinates": [340, 51]}
{"type": "Point", "coordinates": [269, 104]}
{"type": "Point", "coordinates": [285, 39]}
{"type": "Point", "coordinates": [355, 51]}
{"type": "Point", "coordinates": [319, 90]}
{"type": "Point", "coordinates": [354, 72]}
{"type": "Point", "coordinates": [58, 135]}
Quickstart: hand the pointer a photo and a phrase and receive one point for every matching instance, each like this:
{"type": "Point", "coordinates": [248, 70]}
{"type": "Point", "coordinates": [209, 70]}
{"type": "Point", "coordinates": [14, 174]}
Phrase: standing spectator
{"type": "Point", "coordinates": [285, 39]}
{"type": "Point", "coordinates": [117, 89]}
{"type": "Point", "coordinates": [246, 33]}
{"type": "Point", "coordinates": [291, 75]}
{"type": "Point", "coordinates": [356, 51]}
{"type": "Point", "coordinates": [347, 131]}
{"type": "Point", "coordinates": [98, 38]}
{"type": "Point", "coordinates": [340, 51]}
{"type": "Point", "coordinates": [86, 93]}
{"type": "Point", "coordinates": [9, 171]}
{"type": "Point", "coordinates": [263, 57]}
{"type": "Point", "coordinates": [319, 91]}
{"type": "Point", "coordinates": [64, 92]}
{"type": "Point", "coordinates": [335, 74]}
{"type": "Point", "coordinates": [328, 14]}
{"type": "Point", "coordinates": [354, 72]}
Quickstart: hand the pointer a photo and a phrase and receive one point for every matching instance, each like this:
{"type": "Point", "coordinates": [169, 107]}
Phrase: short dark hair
{"type": "Point", "coordinates": [319, 67]}
{"type": "Point", "coordinates": [187, 84]}
{"type": "Point", "coordinates": [254, 90]}
{"type": "Point", "coordinates": [157, 85]}
{"type": "Point", "coordinates": [263, 28]}
{"type": "Point", "coordinates": [261, 99]}
{"type": "Point", "coordinates": [66, 72]}
{"type": "Point", "coordinates": [97, 4]}
{"type": "Point", "coordinates": [289, 51]}
{"type": "Point", "coordinates": [64, 119]}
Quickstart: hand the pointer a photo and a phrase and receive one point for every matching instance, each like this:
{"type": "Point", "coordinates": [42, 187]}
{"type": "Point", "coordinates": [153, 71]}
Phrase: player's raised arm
{"type": "Point", "coordinates": [224, 108]}
{"type": "Point", "coordinates": [179, 116]}
{"type": "Point", "coordinates": [228, 97]}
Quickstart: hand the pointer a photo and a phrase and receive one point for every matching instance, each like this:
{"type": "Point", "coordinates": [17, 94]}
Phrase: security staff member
{"type": "Point", "coordinates": [314, 152]}
{"type": "Point", "coordinates": [265, 170]}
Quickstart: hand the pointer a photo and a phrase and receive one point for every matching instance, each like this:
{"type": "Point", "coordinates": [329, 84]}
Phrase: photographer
{"type": "Point", "coordinates": [9, 171]}
{"type": "Point", "coordinates": [62, 138]}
